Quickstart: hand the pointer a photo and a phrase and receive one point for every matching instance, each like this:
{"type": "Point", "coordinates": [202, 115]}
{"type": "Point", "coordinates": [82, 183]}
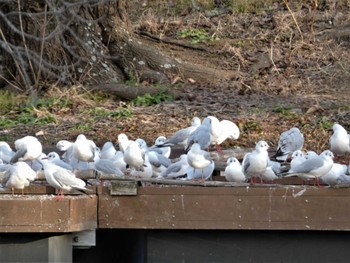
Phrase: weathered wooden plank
{"type": "Point", "coordinates": [42, 213]}
{"type": "Point", "coordinates": [287, 207]}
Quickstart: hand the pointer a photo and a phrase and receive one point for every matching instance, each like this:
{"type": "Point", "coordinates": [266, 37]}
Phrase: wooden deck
{"type": "Point", "coordinates": [38, 211]}
{"type": "Point", "coordinates": [215, 205]}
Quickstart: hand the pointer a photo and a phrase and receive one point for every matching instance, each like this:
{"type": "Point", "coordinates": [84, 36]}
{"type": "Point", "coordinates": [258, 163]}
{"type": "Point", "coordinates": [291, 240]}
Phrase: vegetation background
{"type": "Point", "coordinates": [147, 67]}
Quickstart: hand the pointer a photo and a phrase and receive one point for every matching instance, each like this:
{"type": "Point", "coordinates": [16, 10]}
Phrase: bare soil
{"type": "Point", "coordinates": [283, 68]}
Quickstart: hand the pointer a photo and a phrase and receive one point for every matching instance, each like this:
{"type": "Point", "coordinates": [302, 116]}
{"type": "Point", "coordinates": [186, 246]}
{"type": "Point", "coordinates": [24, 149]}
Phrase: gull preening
{"type": "Point", "coordinates": [28, 148]}
{"type": "Point", "coordinates": [18, 176]}
{"type": "Point", "coordinates": [289, 141]}
{"type": "Point", "coordinates": [224, 130]}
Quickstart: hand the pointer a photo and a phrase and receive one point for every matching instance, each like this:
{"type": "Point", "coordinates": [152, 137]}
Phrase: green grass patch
{"type": "Point", "coordinates": [195, 35]}
{"type": "Point", "coordinates": [149, 100]}
{"type": "Point", "coordinates": [7, 101]}
{"type": "Point", "coordinates": [285, 112]}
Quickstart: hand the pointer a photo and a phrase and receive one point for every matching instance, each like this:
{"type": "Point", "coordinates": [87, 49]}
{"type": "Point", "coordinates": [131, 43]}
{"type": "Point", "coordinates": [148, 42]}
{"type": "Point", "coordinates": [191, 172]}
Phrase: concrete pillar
{"type": "Point", "coordinates": [36, 248]}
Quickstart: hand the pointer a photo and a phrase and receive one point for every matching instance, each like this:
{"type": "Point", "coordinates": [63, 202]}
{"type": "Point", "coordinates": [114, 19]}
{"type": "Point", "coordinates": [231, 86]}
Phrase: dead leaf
{"type": "Point", "coordinates": [41, 133]}
{"type": "Point", "coordinates": [190, 80]}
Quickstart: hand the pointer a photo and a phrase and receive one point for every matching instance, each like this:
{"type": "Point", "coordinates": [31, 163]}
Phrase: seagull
{"type": "Point", "coordinates": [176, 169]}
{"type": "Point", "coordinates": [290, 141]}
{"type": "Point", "coordinates": [204, 175]}
{"type": "Point", "coordinates": [340, 140]}
{"type": "Point", "coordinates": [118, 160]}
{"type": "Point", "coordinates": [123, 142]}
{"type": "Point", "coordinates": [298, 157]}
{"type": "Point", "coordinates": [314, 167]}
{"type": "Point", "coordinates": [146, 172]}
{"type": "Point", "coordinates": [198, 158]}
{"type": "Point", "coordinates": [254, 164]}
{"type": "Point", "coordinates": [61, 179]}
{"type": "Point", "coordinates": [18, 176]}
{"type": "Point", "coordinates": [106, 166]}
{"type": "Point", "coordinates": [310, 154]}
{"type": "Point", "coordinates": [204, 133]}
{"type": "Point", "coordinates": [6, 153]}
{"type": "Point", "coordinates": [83, 149]}
{"type": "Point", "coordinates": [159, 148]}
{"type": "Point", "coordinates": [3, 167]}
{"type": "Point", "coordinates": [158, 161]}
{"type": "Point", "coordinates": [28, 148]}
{"type": "Point", "coordinates": [53, 157]}
{"type": "Point", "coordinates": [134, 156]}
{"type": "Point", "coordinates": [336, 175]}
{"type": "Point", "coordinates": [66, 147]}
{"type": "Point", "coordinates": [269, 175]}
{"type": "Point", "coordinates": [233, 171]}
{"type": "Point", "coordinates": [108, 151]}
{"type": "Point", "coordinates": [227, 130]}
{"type": "Point", "coordinates": [181, 136]}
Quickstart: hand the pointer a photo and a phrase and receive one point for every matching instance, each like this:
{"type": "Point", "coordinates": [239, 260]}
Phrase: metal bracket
{"type": "Point", "coordinates": [84, 239]}
{"type": "Point", "coordinates": [123, 188]}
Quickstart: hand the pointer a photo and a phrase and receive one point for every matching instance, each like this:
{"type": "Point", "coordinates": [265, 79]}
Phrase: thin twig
{"type": "Point", "coordinates": [41, 47]}
{"type": "Point", "coordinates": [271, 58]}
{"type": "Point", "coordinates": [24, 41]}
{"type": "Point", "coordinates": [295, 21]}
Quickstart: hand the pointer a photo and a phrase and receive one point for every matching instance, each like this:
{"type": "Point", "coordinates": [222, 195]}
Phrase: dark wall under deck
{"type": "Point", "coordinates": [216, 246]}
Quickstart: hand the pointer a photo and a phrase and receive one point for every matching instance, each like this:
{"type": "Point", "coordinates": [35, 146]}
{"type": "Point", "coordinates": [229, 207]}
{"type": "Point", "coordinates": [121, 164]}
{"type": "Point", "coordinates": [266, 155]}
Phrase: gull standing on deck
{"type": "Point", "coordinates": [53, 157]}
{"type": "Point", "coordinates": [106, 166]}
{"type": "Point", "coordinates": [108, 151]}
{"type": "Point", "coordinates": [255, 163]}
{"type": "Point", "coordinates": [28, 148]}
{"type": "Point", "coordinates": [181, 136]}
{"type": "Point", "coordinates": [289, 142]}
{"type": "Point", "coordinates": [18, 176]}
{"type": "Point", "coordinates": [61, 179]}
{"type": "Point", "coordinates": [313, 168]}
{"type": "Point", "coordinates": [198, 158]}
{"type": "Point", "coordinates": [134, 156]}
{"type": "Point", "coordinates": [123, 142]}
{"type": "Point", "coordinates": [176, 169]}
{"type": "Point", "coordinates": [226, 130]}
{"type": "Point", "coordinates": [337, 175]}
{"type": "Point", "coordinates": [298, 157]}
{"type": "Point", "coordinates": [159, 148]}
{"type": "Point", "coordinates": [233, 171]}
{"type": "Point", "coordinates": [340, 140]}
{"type": "Point", "coordinates": [204, 133]}
{"type": "Point", "coordinates": [204, 174]}
{"type": "Point", "coordinates": [84, 149]}
{"type": "Point", "coordinates": [158, 161]}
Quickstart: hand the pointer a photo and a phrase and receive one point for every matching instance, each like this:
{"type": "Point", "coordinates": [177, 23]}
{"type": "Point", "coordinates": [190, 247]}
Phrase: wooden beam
{"type": "Point", "coordinates": [42, 213]}
{"type": "Point", "coordinates": [169, 207]}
